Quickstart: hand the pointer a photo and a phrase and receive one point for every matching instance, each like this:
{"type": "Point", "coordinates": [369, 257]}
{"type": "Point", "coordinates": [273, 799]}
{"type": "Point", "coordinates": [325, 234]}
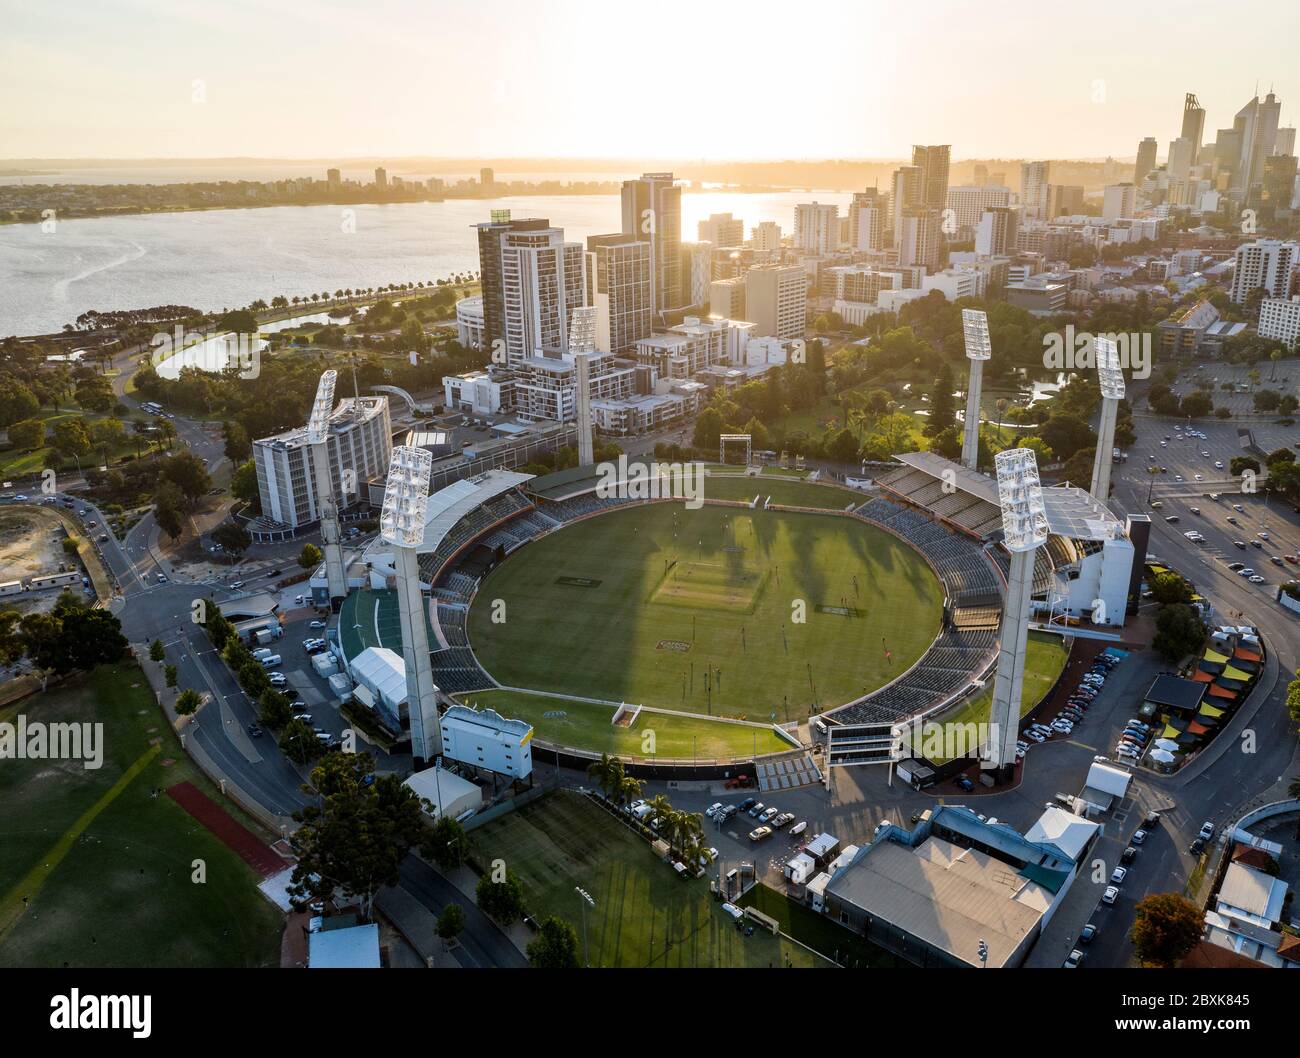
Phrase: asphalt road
{"type": "Point", "coordinates": [482, 944]}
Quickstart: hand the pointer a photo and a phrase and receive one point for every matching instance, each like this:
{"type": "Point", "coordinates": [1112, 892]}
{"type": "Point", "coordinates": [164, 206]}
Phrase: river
{"type": "Point", "coordinates": [224, 259]}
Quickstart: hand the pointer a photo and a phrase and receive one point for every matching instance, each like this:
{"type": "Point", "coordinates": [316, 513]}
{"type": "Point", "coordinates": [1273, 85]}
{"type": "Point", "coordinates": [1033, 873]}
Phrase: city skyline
{"type": "Point", "coordinates": [140, 79]}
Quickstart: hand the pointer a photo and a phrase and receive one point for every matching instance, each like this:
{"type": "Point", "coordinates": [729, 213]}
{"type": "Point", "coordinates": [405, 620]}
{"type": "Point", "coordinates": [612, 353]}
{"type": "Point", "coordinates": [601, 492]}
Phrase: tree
{"type": "Point", "coordinates": [187, 701]}
{"type": "Point", "coordinates": [241, 321]}
{"type": "Point", "coordinates": [187, 472]}
{"type": "Point", "coordinates": [1242, 463]}
{"type": "Point", "coordinates": [708, 429]}
{"type": "Point", "coordinates": [274, 709]}
{"type": "Point", "coordinates": [451, 922]}
{"type": "Point", "coordinates": [1179, 632]}
{"type": "Point", "coordinates": [157, 652]}
{"type": "Point", "coordinates": [1165, 928]}
{"type": "Point", "coordinates": [243, 484]}
{"type": "Point", "coordinates": [72, 637]}
{"type": "Point", "coordinates": [1169, 588]}
{"type": "Point", "coordinates": [238, 446]}
{"type": "Point", "coordinates": [11, 640]}
{"type": "Point", "coordinates": [17, 402]}
{"type": "Point", "coordinates": [501, 900]}
{"type": "Point", "coordinates": [555, 947]}
{"type": "Point", "coordinates": [1066, 434]}
{"type": "Point", "coordinates": [445, 843]}
{"type": "Point", "coordinates": [355, 839]}
{"type": "Point", "coordinates": [942, 411]}
{"type": "Point", "coordinates": [1197, 405]}
{"type": "Point", "coordinates": [70, 437]}
{"type": "Point", "coordinates": [28, 435]}
{"type": "Point", "coordinates": [170, 675]}
{"type": "Point", "coordinates": [232, 537]}
{"type": "Point", "coordinates": [310, 556]}
{"type": "Point", "coordinates": [168, 502]}
{"type": "Point", "coordinates": [1266, 400]}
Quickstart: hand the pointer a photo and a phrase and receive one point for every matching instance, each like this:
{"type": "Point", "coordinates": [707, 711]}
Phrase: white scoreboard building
{"type": "Point", "coordinates": [486, 739]}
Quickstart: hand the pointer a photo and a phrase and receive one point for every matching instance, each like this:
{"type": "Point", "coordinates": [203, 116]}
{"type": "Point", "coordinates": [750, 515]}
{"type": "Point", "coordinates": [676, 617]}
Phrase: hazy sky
{"type": "Point", "coordinates": [612, 78]}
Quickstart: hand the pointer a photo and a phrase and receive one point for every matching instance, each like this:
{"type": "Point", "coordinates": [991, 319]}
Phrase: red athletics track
{"type": "Point", "coordinates": [247, 845]}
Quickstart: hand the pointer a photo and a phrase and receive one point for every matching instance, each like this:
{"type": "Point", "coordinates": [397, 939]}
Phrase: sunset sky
{"type": "Point", "coordinates": [608, 78]}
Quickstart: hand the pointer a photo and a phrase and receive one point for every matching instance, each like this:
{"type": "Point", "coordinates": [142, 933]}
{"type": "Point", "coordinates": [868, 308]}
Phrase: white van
{"type": "Point", "coordinates": [270, 661]}
{"type": "Point", "coordinates": [263, 652]}
{"type": "Point", "coordinates": [732, 910]}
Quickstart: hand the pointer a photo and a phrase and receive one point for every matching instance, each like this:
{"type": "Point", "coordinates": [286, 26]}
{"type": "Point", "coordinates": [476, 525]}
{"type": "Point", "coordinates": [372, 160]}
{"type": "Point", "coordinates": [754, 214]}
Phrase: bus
{"type": "Point", "coordinates": [151, 407]}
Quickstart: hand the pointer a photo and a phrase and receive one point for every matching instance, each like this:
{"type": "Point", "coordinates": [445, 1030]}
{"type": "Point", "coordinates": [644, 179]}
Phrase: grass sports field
{"type": "Point", "coordinates": [564, 722]}
{"type": "Point", "coordinates": [105, 866]}
{"type": "Point", "coordinates": [790, 493]}
{"type": "Point", "coordinates": [644, 915]}
{"type": "Point", "coordinates": [698, 611]}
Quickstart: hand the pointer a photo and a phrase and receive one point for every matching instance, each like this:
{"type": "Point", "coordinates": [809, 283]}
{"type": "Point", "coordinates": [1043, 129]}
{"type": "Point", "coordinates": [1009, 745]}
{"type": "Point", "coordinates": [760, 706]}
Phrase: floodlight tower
{"type": "Point", "coordinates": [406, 494]}
{"type": "Point", "coordinates": [975, 329]}
{"type": "Point", "coordinates": [1024, 530]}
{"type": "Point", "coordinates": [318, 432]}
{"type": "Point", "coordinates": [582, 343]}
{"type": "Point", "coordinates": [1111, 379]}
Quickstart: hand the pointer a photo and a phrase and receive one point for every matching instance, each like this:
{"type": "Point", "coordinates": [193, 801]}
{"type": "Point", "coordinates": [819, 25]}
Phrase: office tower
{"type": "Point", "coordinates": [1111, 380]}
{"type": "Point", "coordinates": [652, 210]}
{"type": "Point", "coordinates": [975, 333]}
{"type": "Point", "coordinates": [1146, 159]}
{"type": "Point", "coordinates": [333, 179]}
{"type": "Point", "coordinates": [767, 236]}
{"type": "Point", "coordinates": [543, 280]}
{"type": "Point", "coordinates": [981, 176]}
{"type": "Point", "coordinates": [618, 279]}
{"type": "Point", "coordinates": [401, 524]}
{"type": "Point", "coordinates": [1024, 530]}
{"type": "Point", "coordinates": [933, 163]}
{"type": "Point", "coordinates": [969, 203]}
{"type": "Point", "coordinates": [1064, 200]}
{"type": "Point", "coordinates": [1285, 142]}
{"type": "Point", "coordinates": [318, 429]}
{"type": "Point", "coordinates": [1266, 263]}
{"type": "Point", "coordinates": [816, 228]}
{"type": "Point", "coordinates": [867, 216]}
{"type": "Point", "coordinates": [904, 190]}
{"type": "Point", "coordinates": [722, 229]}
{"type": "Point", "coordinates": [697, 272]}
{"type": "Point", "coordinates": [1119, 201]}
{"type": "Point", "coordinates": [995, 235]}
{"type": "Point", "coordinates": [1277, 187]}
{"type": "Point", "coordinates": [920, 238]}
{"type": "Point", "coordinates": [727, 298]}
{"type": "Point", "coordinates": [486, 178]}
{"type": "Point", "coordinates": [1257, 123]}
{"type": "Point", "coordinates": [1179, 165]}
{"type": "Point", "coordinates": [1193, 126]}
{"type": "Point", "coordinates": [1033, 188]}
{"type": "Point", "coordinates": [776, 300]}
{"type": "Point", "coordinates": [381, 177]}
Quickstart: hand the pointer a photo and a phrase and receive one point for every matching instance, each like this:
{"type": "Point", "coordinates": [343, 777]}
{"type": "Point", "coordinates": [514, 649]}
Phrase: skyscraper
{"type": "Point", "coordinates": [618, 279]}
{"type": "Point", "coordinates": [767, 236]}
{"type": "Point", "coordinates": [652, 210]}
{"type": "Point", "coordinates": [867, 220]}
{"type": "Point", "coordinates": [491, 237]}
{"type": "Point", "coordinates": [1193, 126]}
{"type": "Point", "coordinates": [905, 190]}
{"type": "Point", "coordinates": [1033, 188]}
{"type": "Point", "coordinates": [933, 163]}
{"type": "Point", "coordinates": [1266, 263]}
{"type": "Point", "coordinates": [381, 177]}
{"type": "Point", "coordinates": [1119, 201]}
{"type": "Point", "coordinates": [543, 281]}
{"type": "Point", "coordinates": [722, 229]}
{"type": "Point", "coordinates": [1257, 122]}
{"type": "Point", "coordinates": [776, 300]}
{"type": "Point", "coordinates": [920, 239]}
{"type": "Point", "coordinates": [816, 228]}
{"type": "Point", "coordinates": [995, 235]}
{"type": "Point", "coordinates": [1146, 159]}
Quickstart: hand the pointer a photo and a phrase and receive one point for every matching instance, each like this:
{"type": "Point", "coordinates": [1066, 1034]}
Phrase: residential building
{"type": "Point", "coordinates": [727, 298]}
{"type": "Point", "coordinates": [491, 240]}
{"type": "Point", "coordinates": [1181, 335]}
{"type": "Point", "coordinates": [1280, 318]}
{"type": "Point", "coordinates": [542, 281]}
{"type": "Point", "coordinates": [618, 280]}
{"type": "Point", "coordinates": [933, 163]}
{"type": "Point", "coordinates": [776, 300]}
{"type": "Point", "coordinates": [692, 346]}
{"type": "Point", "coordinates": [1119, 201]}
{"type": "Point", "coordinates": [1038, 297]}
{"type": "Point", "coordinates": [546, 387]}
{"type": "Point", "coordinates": [722, 229]}
{"type": "Point", "coordinates": [652, 210]}
{"type": "Point", "coordinates": [969, 203]}
{"type": "Point", "coordinates": [333, 179]}
{"type": "Point", "coordinates": [767, 237]}
{"type": "Point", "coordinates": [359, 444]}
{"type": "Point", "coordinates": [1267, 263]}
{"type": "Point", "coordinates": [996, 232]}
{"type": "Point", "coordinates": [905, 190]}
{"type": "Point", "coordinates": [816, 228]}
{"type": "Point", "coordinates": [1033, 189]}
{"type": "Point", "coordinates": [697, 271]}
{"type": "Point", "coordinates": [868, 213]}
{"type": "Point", "coordinates": [470, 323]}
{"type": "Point", "coordinates": [920, 240]}
{"type": "Point", "coordinates": [1064, 200]}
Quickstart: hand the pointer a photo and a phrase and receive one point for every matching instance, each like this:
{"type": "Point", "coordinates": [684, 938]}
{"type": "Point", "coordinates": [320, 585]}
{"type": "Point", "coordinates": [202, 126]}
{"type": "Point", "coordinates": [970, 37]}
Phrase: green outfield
{"type": "Point", "coordinates": [100, 867]}
{"type": "Point", "coordinates": [564, 722]}
{"type": "Point", "coordinates": [743, 613]}
{"type": "Point", "coordinates": [789, 493]}
{"type": "Point", "coordinates": [644, 915]}
{"type": "Point", "coordinates": [1045, 659]}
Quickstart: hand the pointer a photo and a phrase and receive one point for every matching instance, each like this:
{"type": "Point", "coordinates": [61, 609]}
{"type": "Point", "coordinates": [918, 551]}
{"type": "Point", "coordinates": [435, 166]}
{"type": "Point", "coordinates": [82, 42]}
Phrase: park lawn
{"type": "Point", "coordinates": [586, 725]}
{"type": "Point", "coordinates": [860, 591]}
{"type": "Point", "coordinates": [819, 932]}
{"type": "Point", "coordinates": [1045, 660]}
{"type": "Point", "coordinates": [14, 463]}
{"type": "Point", "coordinates": [645, 916]}
{"type": "Point", "coordinates": [122, 895]}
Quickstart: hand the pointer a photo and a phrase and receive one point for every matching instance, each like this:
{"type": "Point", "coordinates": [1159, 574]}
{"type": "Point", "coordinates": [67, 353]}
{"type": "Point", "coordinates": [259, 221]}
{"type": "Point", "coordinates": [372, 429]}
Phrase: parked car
{"type": "Point", "coordinates": [759, 833]}
{"type": "Point", "coordinates": [798, 828]}
{"type": "Point", "coordinates": [1197, 847]}
{"type": "Point", "coordinates": [713, 809]}
{"type": "Point", "coordinates": [1128, 855]}
{"type": "Point", "coordinates": [1087, 934]}
{"type": "Point", "coordinates": [768, 815]}
{"type": "Point", "coordinates": [1152, 819]}
{"type": "Point", "coordinates": [314, 624]}
{"type": "Point", "coordinates": [1139, 836]}
{"type": "Point", "coordinates": [1206, 831]}
{"type": "Point", "coordinates": [1110, 895]}
{"type": "Point", "coordinates": [757, 809]}
{"type": "Point", "coordinates": [747, 804]}
{"type": "Point", "coordinates": [254, 730]}
{"type": "Point", "coordinates": [784, 819]}
{"type": "Point", "coordinates": [965, 784]}
{"type": "Point", "coordinates": [1073, 960]}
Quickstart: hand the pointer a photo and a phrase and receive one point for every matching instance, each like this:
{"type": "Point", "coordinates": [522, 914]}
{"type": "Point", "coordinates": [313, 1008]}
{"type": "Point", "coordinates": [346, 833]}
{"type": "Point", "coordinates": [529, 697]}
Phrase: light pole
{"type": "Point", "coordinates": [584, 903]}
{"type": "Point", "coordinates": [984, 954]}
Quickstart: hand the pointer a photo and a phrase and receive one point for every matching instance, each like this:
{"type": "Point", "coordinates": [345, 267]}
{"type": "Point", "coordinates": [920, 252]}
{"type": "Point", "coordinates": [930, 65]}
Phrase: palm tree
{"type": "Point", "coordinates": [628, 789]}
{"type": "Point", "coordinates": [607, 773]}
{"type": "Point", "coordinates": [661, 806]}
{"type": "Point", "coordinates": [1293, 790]}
